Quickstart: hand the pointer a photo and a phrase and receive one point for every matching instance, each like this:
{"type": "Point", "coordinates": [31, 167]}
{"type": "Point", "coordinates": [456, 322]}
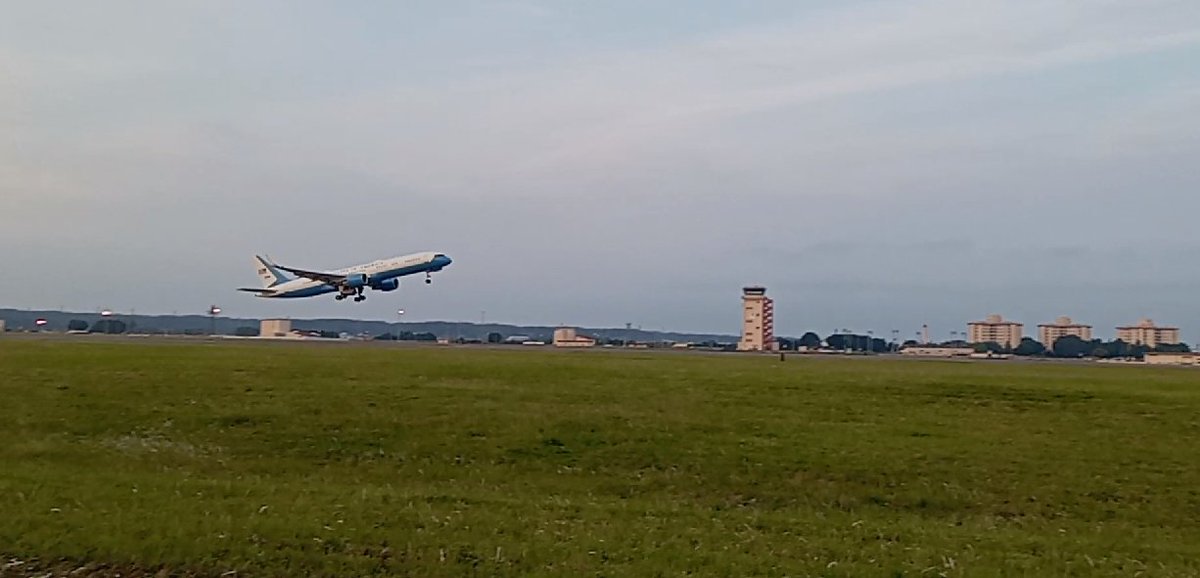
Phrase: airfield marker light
{"type": "Point", "coordinates": [106, 313]}
{"type": "Point", "coordinates": [212, 313]}
{"type": "Point", "coordinates": [396, 330]}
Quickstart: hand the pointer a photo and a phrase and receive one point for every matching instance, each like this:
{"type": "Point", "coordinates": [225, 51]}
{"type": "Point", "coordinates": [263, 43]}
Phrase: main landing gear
{"type": "Point", "coordinates": [428, 277]}
{"type": "Point", "coordinates": [357, 297]}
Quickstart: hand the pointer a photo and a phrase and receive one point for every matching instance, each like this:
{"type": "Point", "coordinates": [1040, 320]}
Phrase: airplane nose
{"type": "Point", "coordinates": [443, 260]}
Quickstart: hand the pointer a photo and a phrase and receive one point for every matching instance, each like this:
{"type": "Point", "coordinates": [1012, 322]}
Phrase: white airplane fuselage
{"type": "Point", "coordinates": [381, 275]}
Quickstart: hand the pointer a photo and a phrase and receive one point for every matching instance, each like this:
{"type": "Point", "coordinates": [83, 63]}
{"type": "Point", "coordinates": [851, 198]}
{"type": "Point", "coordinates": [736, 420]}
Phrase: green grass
{"type": "Point", "coordinates": [285, 460]}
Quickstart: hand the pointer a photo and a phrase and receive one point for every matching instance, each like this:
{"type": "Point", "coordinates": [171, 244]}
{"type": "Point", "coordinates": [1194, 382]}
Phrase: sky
{"type": "Point", "coordinates": [876, 165]}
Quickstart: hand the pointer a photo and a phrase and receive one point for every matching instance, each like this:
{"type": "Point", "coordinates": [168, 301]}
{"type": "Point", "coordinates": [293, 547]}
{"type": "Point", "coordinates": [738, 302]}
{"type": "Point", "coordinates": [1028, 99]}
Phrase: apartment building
{"type": "Point", "coordinates": [997, 330]}
{"type": "Point", "coordinates": [1148, 334]}
{"type": "Point", "coordinates": [1048, 333]}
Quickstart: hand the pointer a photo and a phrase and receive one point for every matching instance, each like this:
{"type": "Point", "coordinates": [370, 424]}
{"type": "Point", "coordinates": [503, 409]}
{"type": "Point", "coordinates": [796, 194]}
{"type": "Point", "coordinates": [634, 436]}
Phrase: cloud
{"type": "Point", "coordinates": [585, 117]}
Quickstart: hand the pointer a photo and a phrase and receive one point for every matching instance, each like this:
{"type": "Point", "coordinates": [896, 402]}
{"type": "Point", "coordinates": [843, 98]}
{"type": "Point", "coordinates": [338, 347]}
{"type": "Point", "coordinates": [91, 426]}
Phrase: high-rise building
{"type": "Point", "coordinates": [758, 320]}
{"type": "Point", "coordinates": [1148, 334]}
{"type": "Point", "coordinates": [995, 329]}
{"type": "Point", "coordinates": [1048, 333]}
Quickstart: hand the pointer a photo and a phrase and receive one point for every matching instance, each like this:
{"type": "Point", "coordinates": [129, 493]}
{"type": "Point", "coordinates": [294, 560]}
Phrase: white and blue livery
{"type": "Point", "coordinates": [382, 275]}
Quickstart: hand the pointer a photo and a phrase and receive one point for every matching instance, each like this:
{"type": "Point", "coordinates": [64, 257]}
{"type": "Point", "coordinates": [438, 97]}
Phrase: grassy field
{"type": "Point", "coordinates": [285, 460]}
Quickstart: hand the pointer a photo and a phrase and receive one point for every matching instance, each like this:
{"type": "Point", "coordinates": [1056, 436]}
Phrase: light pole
{"type": "Point", "coordinates": [106, 316]}
{"type": "Point", "coordinates": [213, 312]}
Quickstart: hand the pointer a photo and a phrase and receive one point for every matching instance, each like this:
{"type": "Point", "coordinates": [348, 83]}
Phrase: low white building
{"type": "Point", "coordinates": [1173, 359]}
{"type": "Point", "coordinates": [3, 326]}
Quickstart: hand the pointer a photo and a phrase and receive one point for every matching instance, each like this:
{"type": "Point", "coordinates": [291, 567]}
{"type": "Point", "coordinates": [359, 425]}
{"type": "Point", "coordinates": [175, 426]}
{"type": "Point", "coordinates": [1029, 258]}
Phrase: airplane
{"type": "Point", "coordinates": [381, 275]}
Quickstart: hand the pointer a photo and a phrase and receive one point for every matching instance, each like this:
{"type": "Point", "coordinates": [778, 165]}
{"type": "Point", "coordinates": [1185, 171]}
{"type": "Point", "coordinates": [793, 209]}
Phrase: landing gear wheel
{"type": "Point", "coordinates": [339, 297]}
{"type": "Point", "coordinates": [428, 281]}
{"type": "Point", "coordinates": [358, 298]}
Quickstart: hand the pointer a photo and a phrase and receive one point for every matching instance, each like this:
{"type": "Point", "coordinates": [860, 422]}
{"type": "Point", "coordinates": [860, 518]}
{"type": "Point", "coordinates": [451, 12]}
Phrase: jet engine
{"type": "Point", "coordinates": [387, 285]}
{"type": "Point", "coordinates": [356, 280]}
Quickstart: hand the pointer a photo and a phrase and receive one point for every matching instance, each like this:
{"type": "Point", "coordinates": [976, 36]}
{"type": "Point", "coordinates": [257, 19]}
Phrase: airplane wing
{"type": "Point", "coordinates": [330, 278]}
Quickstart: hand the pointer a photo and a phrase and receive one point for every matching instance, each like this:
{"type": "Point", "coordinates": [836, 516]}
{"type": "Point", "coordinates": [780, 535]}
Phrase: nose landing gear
{"type": "Point", "coordinates": [428, 278]}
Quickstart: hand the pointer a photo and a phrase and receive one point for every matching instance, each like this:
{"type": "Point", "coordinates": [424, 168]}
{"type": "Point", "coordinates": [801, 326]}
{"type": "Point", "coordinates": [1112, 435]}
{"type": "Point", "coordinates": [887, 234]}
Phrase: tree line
{"type": "Point", "coordinates": [1072, 346]}
{"type": "Point", "coordinates": [1069, 346]}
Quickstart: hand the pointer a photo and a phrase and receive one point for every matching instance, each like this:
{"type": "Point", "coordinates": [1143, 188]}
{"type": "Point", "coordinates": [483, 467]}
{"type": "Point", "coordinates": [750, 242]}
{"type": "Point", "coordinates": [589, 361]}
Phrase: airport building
{"type": "Point", "coordinates": [1148, 334]}
{"type": "Point", "coordinates": [1172, 358]}
{"type": "Point", "coordinates": [275, 328]}
{"type": "Point", "coordinates": [1048, 333]}
{"type": "Point", "coordinates": [931, 351]}
{"type": "Point", "coordinates": [995, 329]}
{"type": "Point", "coordinates": [3, 327]}
{"type": "Point", "coordinates": [758, 321]}
{"type": "Point", "coordinates": [570, 337]}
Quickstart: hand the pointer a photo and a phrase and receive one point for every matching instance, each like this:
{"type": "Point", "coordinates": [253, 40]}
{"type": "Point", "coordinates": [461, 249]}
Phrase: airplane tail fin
{"type": "Point", "coordinates": [270, 275]}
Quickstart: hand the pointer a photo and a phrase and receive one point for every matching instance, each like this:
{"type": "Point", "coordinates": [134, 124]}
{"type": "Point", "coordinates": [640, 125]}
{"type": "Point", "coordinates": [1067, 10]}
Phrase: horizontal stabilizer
{"type": "Point", "coordinates": [256, 290]}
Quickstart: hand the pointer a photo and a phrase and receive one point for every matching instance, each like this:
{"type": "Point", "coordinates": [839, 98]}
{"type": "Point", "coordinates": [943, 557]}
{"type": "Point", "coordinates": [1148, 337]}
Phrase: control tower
{"type": "Point", "coordinates": [758, 320]}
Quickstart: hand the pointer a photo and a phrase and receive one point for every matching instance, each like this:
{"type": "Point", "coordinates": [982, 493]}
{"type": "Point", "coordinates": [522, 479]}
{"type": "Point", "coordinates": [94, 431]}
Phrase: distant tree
{"type": "Point", "coordinates": [246, 331]}
{"type": "Point", "coordinates": [785, 344]}
{"type": "Point", "coordinates": [1172, 348]}
{"type": "Point", "coordinates": [1071, 346]}
{"type": "Point", "coordinates": [109, 326]}
{"type": "Point", "coordinates": [1029, 347]}
{"type": "Point", "coordinates": [910, 343]}
{"type": "Point", "coordinates": [329, 334]}
{"type": "Point", "coordinates": [838, 341]}
{"type": "Point", "coordinates": [1115, 348]}
{"type": "Point", "coordinates": [989, 347]}
{"type": "Point", "coordinates": [495, 337]}
{"type": "Point", "coordinates": [810, 340]}
{"type": "Point", "coordinates": [860, 342]}
{"type": "Point", "coordinates": [77, 325]}
{"type": "Point", "coordinates": [424, 337]}
{"type": "Point", "coordinates": [879, 346]}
